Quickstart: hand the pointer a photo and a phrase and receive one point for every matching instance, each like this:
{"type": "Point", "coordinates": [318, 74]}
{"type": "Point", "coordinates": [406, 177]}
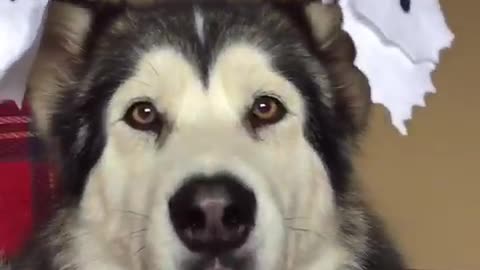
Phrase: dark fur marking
{"type": "Point", "coordinates": [321, 129]}
{"type": "Point", "coordinates": [90, 109]}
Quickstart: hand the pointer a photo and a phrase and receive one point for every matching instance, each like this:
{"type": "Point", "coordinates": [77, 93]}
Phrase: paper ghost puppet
{"type": "Point", "coordinates": [416, 26]}
{"type": "Point", "coordinates": [398, 45]}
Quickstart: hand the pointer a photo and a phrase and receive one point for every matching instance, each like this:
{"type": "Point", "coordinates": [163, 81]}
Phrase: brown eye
{"type": "Point", "coordinates": [143, 116]}
{"type": "Point", "coordinates": [266, 110]}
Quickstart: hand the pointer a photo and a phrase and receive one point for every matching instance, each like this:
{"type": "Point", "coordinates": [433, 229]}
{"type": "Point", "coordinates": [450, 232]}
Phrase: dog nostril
{"type": "Point", "coordinates": [233, 218]}
{"type": "Point", "coordinates": [194, 219]}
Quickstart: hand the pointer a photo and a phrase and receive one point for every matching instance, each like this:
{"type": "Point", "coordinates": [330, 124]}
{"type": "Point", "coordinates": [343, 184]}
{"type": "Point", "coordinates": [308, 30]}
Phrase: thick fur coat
{"type": "Point", "coordinates": [200, 66]}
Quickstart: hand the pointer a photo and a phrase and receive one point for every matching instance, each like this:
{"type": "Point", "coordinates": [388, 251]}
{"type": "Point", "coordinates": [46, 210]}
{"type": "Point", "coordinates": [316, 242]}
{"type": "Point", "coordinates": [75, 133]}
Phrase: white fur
{"type": "Point", "coordinates": [199, 24]}
{"type": "Point", "coordinates": [136, 175]}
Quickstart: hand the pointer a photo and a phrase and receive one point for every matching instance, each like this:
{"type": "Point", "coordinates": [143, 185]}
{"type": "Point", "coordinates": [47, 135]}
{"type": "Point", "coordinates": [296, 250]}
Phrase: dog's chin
{"type": "Point", "coordinates": [220, 262]}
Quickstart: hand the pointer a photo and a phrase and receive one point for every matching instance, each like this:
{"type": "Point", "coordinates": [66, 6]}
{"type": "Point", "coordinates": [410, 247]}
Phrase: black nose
{"type": "Point", "coordinates": [213, 214]}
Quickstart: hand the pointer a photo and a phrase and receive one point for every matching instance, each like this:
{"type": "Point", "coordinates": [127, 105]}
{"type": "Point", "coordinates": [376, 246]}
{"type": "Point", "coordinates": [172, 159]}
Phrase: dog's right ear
{"type": "Point", "coordinates": [64, 37]}
{"type": "Point", "coordinates": [321, 22]}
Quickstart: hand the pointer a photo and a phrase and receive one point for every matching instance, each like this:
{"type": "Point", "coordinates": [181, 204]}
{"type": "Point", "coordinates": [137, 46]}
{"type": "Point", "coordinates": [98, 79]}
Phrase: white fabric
{"type": "Point", "coordinates": [20, 22]}
{"type": "Point", "coordinates": [398, 80]}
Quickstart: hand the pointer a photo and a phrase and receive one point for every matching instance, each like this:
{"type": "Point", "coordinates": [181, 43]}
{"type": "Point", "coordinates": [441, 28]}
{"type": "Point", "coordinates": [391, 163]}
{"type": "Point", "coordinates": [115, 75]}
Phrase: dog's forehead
{"type": "Point", "coordinates": [199, 31]}
{"type": "Point", "coordinates": [189, 42]}
{"type": "Point", "coordinates": [189, 25]}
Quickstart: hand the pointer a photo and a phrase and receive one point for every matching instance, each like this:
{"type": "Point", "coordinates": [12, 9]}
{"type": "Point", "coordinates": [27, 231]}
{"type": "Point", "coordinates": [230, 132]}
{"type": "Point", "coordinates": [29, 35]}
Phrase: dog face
{"type": "Point", "coordinates": [205, 136]}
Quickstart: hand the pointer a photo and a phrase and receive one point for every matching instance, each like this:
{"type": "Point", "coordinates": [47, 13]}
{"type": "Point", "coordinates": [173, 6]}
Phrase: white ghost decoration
{"type": "Point", "coordinates": [399, 61]}
{"type": "Point", "coordinates": [416, 26]}
{"type": "Point", "coordinates": [20, 25]}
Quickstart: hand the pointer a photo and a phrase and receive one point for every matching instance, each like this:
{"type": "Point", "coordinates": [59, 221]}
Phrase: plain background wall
{"type": "Point", "coordinates": [427, 185]}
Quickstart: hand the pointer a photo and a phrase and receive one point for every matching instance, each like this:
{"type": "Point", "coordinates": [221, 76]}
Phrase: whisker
{"type": "Point", "coordinates": [139, 231]}
{"type": "Point", "coordinates": [134, 213]}
{"type": "Point", "coordinates": [299, 229]}
{"type": "Point", "coordinates": [153, 68]}
{"type": "Point", "coordinates": [303, 230]}
{"type": "Point", "coordinates": [294, 218]}
{"type": "Point", "coordinates": [140, 250]}
{"type": "Point", "coordinates": [141, 82]}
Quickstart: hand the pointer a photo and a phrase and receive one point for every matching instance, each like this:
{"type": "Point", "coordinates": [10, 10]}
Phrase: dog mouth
{"type": "Point", "coordinates": [221, 262]}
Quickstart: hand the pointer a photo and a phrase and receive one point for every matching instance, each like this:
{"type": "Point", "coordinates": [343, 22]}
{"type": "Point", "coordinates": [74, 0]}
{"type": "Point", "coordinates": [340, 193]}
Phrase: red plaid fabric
{"type": "Point", "coordinates": [27, 184]}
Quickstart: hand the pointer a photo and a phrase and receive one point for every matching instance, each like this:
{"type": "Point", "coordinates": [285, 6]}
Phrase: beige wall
{"type": "Point", "coordinates": [427, 185]}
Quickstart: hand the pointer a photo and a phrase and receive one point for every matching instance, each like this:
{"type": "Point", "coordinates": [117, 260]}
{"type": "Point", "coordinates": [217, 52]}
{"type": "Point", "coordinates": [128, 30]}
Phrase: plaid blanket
{"type": "Point", "coordinates": [27, 184]}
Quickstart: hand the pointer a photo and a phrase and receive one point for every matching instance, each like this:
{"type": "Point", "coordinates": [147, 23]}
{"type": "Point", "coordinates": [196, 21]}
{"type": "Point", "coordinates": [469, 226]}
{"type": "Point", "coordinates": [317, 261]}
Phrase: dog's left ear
{"type": "Point", "coordinates": [322, 24]}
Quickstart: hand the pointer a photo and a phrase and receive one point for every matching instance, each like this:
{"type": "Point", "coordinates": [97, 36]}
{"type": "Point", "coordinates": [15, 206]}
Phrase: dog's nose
{"type": "Point", "coordinates": [213, 214]}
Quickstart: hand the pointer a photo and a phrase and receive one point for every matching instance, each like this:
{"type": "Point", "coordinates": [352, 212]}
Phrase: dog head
{"type": "Point", "coordinates": [201, 136]}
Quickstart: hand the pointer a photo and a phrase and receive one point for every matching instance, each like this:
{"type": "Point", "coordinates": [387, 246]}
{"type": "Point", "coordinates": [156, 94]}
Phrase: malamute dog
{"type": "Point", "coordinates": [200, 135]}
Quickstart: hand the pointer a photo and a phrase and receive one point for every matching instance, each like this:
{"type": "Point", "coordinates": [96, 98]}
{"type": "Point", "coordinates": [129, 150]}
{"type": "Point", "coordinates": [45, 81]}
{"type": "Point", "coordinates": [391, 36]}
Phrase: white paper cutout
{"type": "Point", "coordinates": [20, 24]}
{"type": "Point", "coordinates": [396, 81]}
{"type": "Point", "coordinates": [421, 31]}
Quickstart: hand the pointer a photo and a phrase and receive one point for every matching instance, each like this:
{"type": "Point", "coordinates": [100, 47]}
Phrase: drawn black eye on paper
{"type": "Point", "coordinates": [406, 5]}
{"type": "Point", "coordinates": [416, 33]}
